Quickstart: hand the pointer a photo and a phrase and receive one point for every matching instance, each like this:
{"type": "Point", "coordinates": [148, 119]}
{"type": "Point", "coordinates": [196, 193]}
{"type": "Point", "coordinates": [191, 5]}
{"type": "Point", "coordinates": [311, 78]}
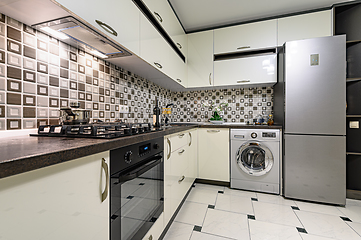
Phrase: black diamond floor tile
{"type": "Point", "coordinates": [197, 228]}
{"type": "Point", "coordinates": [346, 219]}
{"type": "Point", "coordinates": [302, 230]}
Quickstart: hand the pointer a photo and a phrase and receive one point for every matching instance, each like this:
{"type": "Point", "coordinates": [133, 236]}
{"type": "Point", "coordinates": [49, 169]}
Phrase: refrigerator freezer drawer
{"type": "Point", "coordinates": [315, 168]}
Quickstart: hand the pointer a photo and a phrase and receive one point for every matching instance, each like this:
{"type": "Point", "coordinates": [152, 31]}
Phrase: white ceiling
{"type": "Point", "coordinates": [198, 15]}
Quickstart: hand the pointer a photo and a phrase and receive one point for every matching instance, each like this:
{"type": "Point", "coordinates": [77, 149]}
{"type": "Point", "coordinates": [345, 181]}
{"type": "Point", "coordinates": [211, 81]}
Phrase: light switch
{"type": "Point", "coordinates": [354, 124]}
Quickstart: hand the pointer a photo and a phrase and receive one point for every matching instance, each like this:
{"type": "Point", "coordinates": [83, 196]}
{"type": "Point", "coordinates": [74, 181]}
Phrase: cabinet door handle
{"type": "Point", "coordinates": [182, 151]}
{"type": "Point", "coordinates": [158, 65]}
{"type": "Point", "coordinates": [190, 139]}
{"type": "Point", "coordinates": [158, 16]}
{"type": "Point", "coordinates": [105, 167]}
{"type": "Point", "coordinates": [210, 79]}
{"type": "Point", "coordinates": [243, 47]}
{"type": "Point", "coordinates": [179, 80]}
{"type": "Point", "coordinates": [213, 131]}
{"type": "Point", "coordinates": [150, 237]}
{"type": "Point", "coordinates": [106, 27]}
{"type": "Point", "coordinates": [181, 180]}
{"type": "Point", "coordinates": [243, 81]}
{"type": "Point", "coordinates": [179, 45]}
{"type": "Point", "coordinates": [170, 148]}
{"type": "Point", "coordinates": [181, 135]}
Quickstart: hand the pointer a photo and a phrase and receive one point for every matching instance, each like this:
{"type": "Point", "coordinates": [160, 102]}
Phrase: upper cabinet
{"type": "Point", "coordinates": [200, 59]}
{"type": "Point", "coordinates": [165, 16]}
{"type": "Point", "coordinates": [312, 25]}
{"type": "Point", "coordinates": [109, 17]}
{"type": "Point", "coordinates": [246, 37]}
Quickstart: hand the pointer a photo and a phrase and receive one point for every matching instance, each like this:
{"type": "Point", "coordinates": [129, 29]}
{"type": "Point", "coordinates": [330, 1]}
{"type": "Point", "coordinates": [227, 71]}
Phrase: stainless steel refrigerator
{"type": "Point", "coordinates": [312, 81]}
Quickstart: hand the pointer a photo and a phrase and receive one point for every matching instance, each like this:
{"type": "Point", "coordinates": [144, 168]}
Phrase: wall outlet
{"type": "Point", "coordinates": [123, 109]}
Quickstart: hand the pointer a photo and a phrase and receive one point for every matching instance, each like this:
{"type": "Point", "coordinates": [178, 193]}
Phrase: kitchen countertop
{"type": "Point", "coordinates": [26, 153]}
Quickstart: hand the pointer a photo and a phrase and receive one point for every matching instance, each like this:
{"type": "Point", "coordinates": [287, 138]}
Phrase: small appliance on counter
{"type": "Point", "coordinates": [73, 115]}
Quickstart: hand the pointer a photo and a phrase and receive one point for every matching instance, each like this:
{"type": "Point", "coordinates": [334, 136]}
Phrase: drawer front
{"type": "Point", "coordinates": [179, 189]}
{"type": "Point", "coordinates": [178, 140]}
{"type": "Point", "coordinates": [179, 161]}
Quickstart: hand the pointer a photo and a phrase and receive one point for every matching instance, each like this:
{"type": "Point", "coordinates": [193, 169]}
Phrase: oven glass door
{"type": "Point", "coordinates": [136, 199]}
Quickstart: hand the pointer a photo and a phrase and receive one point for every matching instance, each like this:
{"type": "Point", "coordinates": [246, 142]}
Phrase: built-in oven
{"type": "Point", "coordinates": [137, 189]}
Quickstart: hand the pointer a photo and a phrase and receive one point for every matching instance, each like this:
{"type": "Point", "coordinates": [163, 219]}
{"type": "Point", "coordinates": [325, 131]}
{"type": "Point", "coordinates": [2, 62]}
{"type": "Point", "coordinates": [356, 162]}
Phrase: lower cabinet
{"type": "Point", "coordinates": [213, 154]}
{"type": "Point", "coordinates": [65, 201]}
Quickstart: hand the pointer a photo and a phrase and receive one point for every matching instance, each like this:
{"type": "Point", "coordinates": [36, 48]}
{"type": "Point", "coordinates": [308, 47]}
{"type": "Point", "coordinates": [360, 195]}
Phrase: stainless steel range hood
{"type": "Point", "coordinates": [79, 35]}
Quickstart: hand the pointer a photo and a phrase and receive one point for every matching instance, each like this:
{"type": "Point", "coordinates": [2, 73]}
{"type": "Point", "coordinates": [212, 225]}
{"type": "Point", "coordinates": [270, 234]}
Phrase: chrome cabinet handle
{"type": "Point", "coordinates": [105, 167]}
{"type": "Point", "coordinates": [190, 139]}
{"type": "Point", "coordinates": [181, 135]}
{"type": "Point", "coordinates": [210, 79]}
{"type": "Point", "coordinates": [106, 27]}
{"type": "Point", "coordinates": [150, 237]}
{"type": "Point", "coordinates": [181, 180]}
{"type": "Point", "coordinates": [179, 45]}
{"type": "Point", "coordinates": [213, 131]}
{"type": "Point", "coordinates": [243, 47]}
{"type": "Point", "coordinates": [158, 16]}
{"type": "Point", "coordinates": [243, 81]}
{"type": "Point", "coordinates": [180, 152]}
{"type": "Point", "coordinates": [170, 148]}
{"type": "Point", "coordinates": [158, 65]}
{"type": "Point", "coordinates": [179, 80]}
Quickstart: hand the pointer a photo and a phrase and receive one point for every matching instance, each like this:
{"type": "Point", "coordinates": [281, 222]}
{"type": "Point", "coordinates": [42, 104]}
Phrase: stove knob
{"type": "Point", "coordinates": [156, 146]}
{"type": "Point", "coordinates": [128, 157]}
{"type": "Point", "coordinates": [253, 135]}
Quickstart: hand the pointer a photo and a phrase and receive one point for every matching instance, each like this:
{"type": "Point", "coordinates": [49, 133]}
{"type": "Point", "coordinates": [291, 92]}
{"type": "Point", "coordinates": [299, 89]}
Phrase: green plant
{"type": "Point", "coordinates": [216, 110]}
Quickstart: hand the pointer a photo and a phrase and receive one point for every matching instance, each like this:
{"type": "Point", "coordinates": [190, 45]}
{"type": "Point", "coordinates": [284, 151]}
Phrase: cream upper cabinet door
{"type": "Point", "coordinates": [153, 48]}
{"type": "Point", "coordinates": [246, 71]}
{"type": "Point", "coordinates": [246, 37]}
{"type": "Point", "coordinates": [200, 59]}
{"type": "Point", "coordinates": [120, 15]}
{"type": "Point", "coordinates": [213, 154]}
{"type": "Point", "coordinates": [311, 25]}
{"type": "Point", "coordinates": [69, 200]}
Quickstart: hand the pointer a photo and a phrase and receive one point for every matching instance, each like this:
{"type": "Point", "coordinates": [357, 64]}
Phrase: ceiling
{"type": "Point", "coordinates": [197, 15]}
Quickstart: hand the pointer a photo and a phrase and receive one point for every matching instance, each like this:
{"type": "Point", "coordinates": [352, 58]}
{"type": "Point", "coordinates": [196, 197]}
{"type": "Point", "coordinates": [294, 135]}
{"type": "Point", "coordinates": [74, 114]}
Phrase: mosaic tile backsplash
{"type": "Point", "coordinates": [39, 75]}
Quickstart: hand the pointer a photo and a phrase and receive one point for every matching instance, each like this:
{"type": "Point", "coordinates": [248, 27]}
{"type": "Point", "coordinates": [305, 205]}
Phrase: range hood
{"type": "Point", "coordinates": [79, 35]}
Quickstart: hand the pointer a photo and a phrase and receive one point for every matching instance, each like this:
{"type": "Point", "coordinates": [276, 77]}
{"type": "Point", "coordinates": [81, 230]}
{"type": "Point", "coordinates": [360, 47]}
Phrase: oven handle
{"type": "Point", "coordinates": [142, 169]}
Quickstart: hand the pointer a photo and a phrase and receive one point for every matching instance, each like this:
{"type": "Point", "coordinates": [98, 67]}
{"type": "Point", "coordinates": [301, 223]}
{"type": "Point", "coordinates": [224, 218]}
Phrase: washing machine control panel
{"type": "Point", "coordinates": [269, 134]}
{"type": "Point", "coordinates": [253, 135]}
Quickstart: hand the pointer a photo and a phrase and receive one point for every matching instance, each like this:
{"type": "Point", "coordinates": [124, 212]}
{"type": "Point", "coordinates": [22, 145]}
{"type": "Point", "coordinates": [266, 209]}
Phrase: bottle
{"type": "Point", "coordinates": [270, 120]}
{"type": "Point", "coordinates": [156, 114]}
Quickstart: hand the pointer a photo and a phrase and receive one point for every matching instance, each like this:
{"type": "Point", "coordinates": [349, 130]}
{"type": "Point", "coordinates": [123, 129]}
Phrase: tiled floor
{"type": "Point", "coordinates": [219, 213]}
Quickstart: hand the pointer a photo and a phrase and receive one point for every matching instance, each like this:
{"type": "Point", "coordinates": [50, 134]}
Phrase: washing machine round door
{"type": "Point", "coordinates": [254, 158]}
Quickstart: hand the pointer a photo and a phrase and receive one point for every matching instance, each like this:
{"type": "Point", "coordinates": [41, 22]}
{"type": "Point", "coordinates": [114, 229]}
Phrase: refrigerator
{"type": "Point", "coordinates": [310, 102]}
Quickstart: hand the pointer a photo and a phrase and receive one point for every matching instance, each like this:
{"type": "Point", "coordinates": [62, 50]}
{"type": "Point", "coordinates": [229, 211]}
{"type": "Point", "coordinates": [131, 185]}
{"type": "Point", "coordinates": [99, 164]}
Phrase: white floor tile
{"type": "Point", "coordinates": [192, 213]}
{"type": "Point", "coordinates": [235, 204]}
{"type": "Point", "coordinates": [179, 231]}
{"type": "Point", "coordinates": [306, 236]}
{"type": "Point", "coordinates": [318, 208]}
{"type": "Point", "coordinates": [207, 186]}
{"type": "Point", "coordinates": [206, 236]}
{"type": "Point", "coordinates": [326, 226]}
{"type": "Point", "coordinates": [227, 224]}
{"type": "Point", "coordinates": [352, 211]}
{"type": "Point", "coordinates": [274, 213]}
{"type": "Point", "coordinates": [202, 195]}
{"type": "Point", "coordinates": [275, 199]}
{"type": "Point", "coordinates": [270, 231]}
{"type": "Point", "coordinates": [355, 226]}
{"type": "Point", "coordinates": [240, 193]}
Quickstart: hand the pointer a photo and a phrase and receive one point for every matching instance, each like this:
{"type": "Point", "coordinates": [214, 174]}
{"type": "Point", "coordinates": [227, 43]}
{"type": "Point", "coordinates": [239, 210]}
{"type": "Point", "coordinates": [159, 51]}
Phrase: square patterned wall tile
{"type": "Point", "coordinates": [39, 75]}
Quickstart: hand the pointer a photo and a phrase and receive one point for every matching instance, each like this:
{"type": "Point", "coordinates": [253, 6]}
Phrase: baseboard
{"type": "Point", "coordinates": [213, 182]}
{"type": "Point", "coordinates": [353, 194]}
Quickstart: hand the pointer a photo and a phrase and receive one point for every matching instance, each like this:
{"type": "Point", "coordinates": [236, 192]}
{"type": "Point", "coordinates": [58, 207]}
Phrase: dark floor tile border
{"type": "Point", "coordinates": [197, 228]}
{"type": "Point", "coordinates": [346, 219]}
{"type": "Point", "coordinates": [301, 230]}
{"type": "Point", "coordinates": [252, 217]}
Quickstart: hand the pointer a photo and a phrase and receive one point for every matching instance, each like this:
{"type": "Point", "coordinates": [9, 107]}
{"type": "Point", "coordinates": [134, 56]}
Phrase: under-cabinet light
{"type": "Point", "coordinates": [55, 33]}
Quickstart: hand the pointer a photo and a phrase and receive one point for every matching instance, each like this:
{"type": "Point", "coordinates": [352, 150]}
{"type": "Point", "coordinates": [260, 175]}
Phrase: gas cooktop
{"type": "Point", "coordinates": [106, 130]}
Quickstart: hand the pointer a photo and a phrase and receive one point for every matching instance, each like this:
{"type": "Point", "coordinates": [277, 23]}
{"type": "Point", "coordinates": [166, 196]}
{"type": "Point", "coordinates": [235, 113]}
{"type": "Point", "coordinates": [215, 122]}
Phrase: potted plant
{"type": "Point", "coordinates": [216, 111]}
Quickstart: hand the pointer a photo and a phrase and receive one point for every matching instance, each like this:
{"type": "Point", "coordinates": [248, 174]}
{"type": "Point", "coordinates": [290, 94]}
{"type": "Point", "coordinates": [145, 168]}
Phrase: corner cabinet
{"type": "Point", "coordinates": [213, 154]}
{"type": "Point", "coordinates": [69, 200]}
{"type": "Point", "coordinates": [200, 59]}
{"type": "Point", "coordinates": [311, 25]}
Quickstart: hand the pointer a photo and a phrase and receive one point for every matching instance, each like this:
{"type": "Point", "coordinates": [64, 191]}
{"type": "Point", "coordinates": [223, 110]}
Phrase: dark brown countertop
{"type": "Point", "coordinates": [231, 125]}
{"type": "Point", "coordinates": [27, 153]}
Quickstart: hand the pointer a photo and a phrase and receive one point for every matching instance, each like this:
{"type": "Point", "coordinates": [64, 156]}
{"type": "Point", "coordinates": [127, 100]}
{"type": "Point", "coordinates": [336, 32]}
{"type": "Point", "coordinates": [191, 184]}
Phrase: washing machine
{"type": "Point", "coordinates": [255, 160]}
